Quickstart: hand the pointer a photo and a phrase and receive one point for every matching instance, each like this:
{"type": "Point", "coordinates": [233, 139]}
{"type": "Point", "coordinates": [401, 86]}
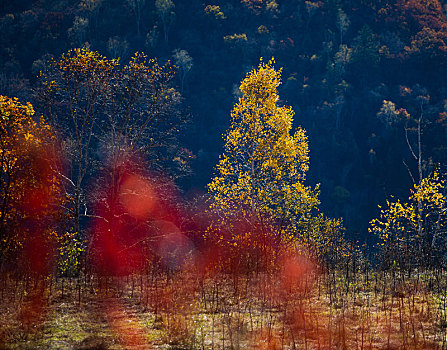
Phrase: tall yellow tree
{"type": "Point", "coordinates": [259, 181]}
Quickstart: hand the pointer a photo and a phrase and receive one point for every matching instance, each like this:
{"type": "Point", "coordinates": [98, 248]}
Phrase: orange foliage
{"type": "Point", "coordinates": [31, 192]}
{"type": "Point", "coordinates": [419, 14]}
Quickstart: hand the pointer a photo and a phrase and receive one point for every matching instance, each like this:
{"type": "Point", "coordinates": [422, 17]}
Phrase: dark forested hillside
{"type": "Point", "coordinates": [341, 60]}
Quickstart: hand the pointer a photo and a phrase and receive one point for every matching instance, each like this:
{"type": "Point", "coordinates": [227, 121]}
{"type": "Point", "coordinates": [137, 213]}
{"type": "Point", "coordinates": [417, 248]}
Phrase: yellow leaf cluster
{"type": "Point", "coordinates": [416, 223]}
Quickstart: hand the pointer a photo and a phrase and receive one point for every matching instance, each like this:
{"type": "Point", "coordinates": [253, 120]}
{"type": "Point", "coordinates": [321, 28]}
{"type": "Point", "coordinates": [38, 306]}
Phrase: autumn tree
{"type": "Point", "coordinates": [259, 181]}
{"type": "Point", "coordinates": [414, 125]}
{"type": "Point", "coordinates": [143, 116]}
{"type": "Point", "coordinates": [140, 130]}
{"type": "Point", "coordinates": [412, 232]}
{"type": "Point", "coordinates": [74, 89]}
{"type": "Point", "coordinates": [30, 190]}
{"type": "Point", "coordinates": [109, 115]}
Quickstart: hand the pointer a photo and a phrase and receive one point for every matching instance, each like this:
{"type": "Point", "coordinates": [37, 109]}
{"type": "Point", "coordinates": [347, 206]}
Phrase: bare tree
{"type": "Point", "coordinates": [106, 112]}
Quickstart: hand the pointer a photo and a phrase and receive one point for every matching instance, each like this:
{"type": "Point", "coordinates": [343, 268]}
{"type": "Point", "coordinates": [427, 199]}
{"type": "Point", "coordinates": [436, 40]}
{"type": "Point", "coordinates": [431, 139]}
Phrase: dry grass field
{"type": "Point", "coordinates": [186, 310]}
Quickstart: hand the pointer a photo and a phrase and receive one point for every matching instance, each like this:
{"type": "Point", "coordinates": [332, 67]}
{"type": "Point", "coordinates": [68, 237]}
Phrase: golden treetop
{"type": "Point", "coordinates": [263, 166]}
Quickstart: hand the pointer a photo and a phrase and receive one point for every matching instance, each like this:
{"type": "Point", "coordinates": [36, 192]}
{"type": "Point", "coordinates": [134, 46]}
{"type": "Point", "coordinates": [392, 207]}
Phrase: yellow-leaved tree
{"type": "Point", "coordinates": [258, 200]}
{"type": "Point", "coordinates": [31, 196]}
{"type": "Point", "coordinates": [412, 233]}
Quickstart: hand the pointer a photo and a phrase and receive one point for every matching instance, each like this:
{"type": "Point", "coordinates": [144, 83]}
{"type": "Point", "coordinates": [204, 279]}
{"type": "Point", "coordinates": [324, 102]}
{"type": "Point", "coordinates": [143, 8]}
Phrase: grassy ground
{"type": "Point", "coordinates": [375, 311]}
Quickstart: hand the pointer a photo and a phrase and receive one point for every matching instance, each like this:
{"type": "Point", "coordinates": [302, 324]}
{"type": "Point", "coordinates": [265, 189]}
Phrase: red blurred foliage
{"type": "Point", "coordinates": [136, 223]}
{"type": "Point", "coordinates": [32, 311]}
{"type": "Point", "coordinates": [173, 248]}
{"type": "Point", "coordinates": [41, 211]}
{"type": "Point", "coordinates": [40, 215]}
{"type": "Point", "coordinates": [137, 196]}
{"type": "Point", "coordinates": [297, 272]}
